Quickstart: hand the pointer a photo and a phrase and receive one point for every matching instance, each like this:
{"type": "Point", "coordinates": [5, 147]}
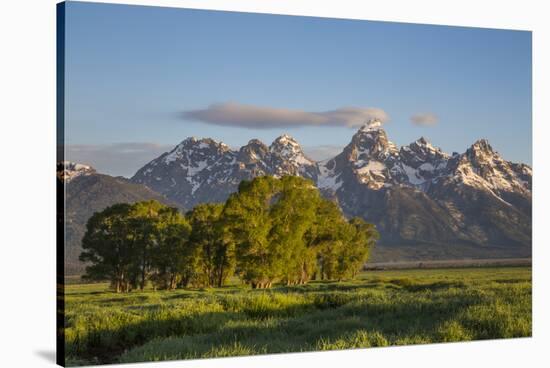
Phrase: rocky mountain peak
{"type": "Point", "coordinates": [421, 151]}
{"type": "Point", "coordinates": [371, 125]}
{"type": "Point", "coordinates": [482, 145]}
{"type": "Point", "coordinates": [371, 141]}
{"type": "Point", "coordinates": [255, 143]}
{"type": "Point", "coordinates": [284, 140]}
{"type": "Point", "coordinates": [482, 154]}
{"type": "Point", "coordinates": [195, 148]}
{"type": "Point", "coordinates": [254, 151]}
{"type": "Point", "coordinates": [422, 141]}
{"type": "Point", "coordinates": [288, 148]}
{"type": "Point", "coordinates": [67, 170]}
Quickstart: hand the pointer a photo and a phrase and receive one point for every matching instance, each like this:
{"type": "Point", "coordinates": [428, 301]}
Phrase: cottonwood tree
{"type": "Point", "coordinates": [357, 247]}
{"type": "Point", "coordinates": [248, 219]}
{"type": "Point", "coordinates": [293, 212]}
{"type": "Point", "coordinates": [144, 221]}
{"type": "Point", "coordinates": [214, 249]}
{"type": "Point", "coordinates": [110, 247]}
{"type": "Point", "coordinates": [285, 231]}
{"type": "Point", "coordinates": [270, 219]}
{"type": "Point", "coordinates": [172, 257]}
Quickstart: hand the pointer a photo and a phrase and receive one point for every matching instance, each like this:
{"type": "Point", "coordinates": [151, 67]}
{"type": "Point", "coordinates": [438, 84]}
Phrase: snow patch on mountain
{"type": "Point", "coordinates": [327, 179]}
{"type": "Point", "coordinates": [67, 170]}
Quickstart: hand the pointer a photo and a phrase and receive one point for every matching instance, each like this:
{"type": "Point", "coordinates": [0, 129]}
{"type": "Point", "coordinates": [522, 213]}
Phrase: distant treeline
{"type": "Point", "coordinates": [271, 230]}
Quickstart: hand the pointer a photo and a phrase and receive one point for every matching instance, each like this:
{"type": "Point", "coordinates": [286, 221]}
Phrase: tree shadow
{"type": "Point", "coordinates": [281, 329]}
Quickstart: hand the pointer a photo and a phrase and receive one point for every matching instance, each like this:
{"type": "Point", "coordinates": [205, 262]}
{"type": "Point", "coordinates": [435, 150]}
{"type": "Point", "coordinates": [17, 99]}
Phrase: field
{"type": "Point", "coordinates": [379, 308]}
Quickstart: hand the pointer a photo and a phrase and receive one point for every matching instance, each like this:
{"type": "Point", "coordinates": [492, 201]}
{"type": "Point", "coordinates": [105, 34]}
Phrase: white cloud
{"type": "Point", "coordinates": [425, 119]}
{"type": "Point", "coordinates": [258, 117]}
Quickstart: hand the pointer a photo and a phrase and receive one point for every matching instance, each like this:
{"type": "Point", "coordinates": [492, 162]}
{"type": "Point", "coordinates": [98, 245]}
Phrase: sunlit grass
{"type": "Point", "coordinates": [379, 308]}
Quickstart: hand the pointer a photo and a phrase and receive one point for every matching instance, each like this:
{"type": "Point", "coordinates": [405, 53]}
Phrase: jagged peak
{"type": "Point", "coordinates": [285, 146]}
{"type": "Point", "coordinates": [371, 139]}
{"type": "Point", "coordinates": [201, 143]}
{"type": "Point", "coordinates": [481, 150]}
{"type": "Point", "coordinates": [70, 165]}
{"type": "Point", "coordinates": [68, 170]}
{"type": "Point", "coordinates": [285, 139]}
{"type": "Point", "coordinates": [423, 145]}
{"type": "Point", "coordinates": [255, 142]}
{"type": "Point", "coordinates": [254, 146]}
{"type": "Point", "coordinates": [422, 141]}
{"type": "Point", "coordinates": [192, 144]}
{"type": "Point", "coordinates": [371, 125]}
{"type": "Point", "coordinates": [482, 144]}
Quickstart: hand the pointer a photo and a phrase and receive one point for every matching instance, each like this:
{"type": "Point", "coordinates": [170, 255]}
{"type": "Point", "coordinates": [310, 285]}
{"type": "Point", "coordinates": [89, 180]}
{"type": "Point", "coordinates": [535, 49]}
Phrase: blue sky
{"type": "Point", "coordinates": [135, 75]}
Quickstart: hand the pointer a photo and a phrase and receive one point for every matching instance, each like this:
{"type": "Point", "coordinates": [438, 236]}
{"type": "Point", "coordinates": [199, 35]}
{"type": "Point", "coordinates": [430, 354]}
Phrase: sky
{"type": "Point", "coordinates": [139, 80]}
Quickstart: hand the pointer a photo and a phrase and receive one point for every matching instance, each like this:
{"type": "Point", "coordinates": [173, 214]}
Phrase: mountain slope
{"type": "Point", "coordinates": [87, 192]}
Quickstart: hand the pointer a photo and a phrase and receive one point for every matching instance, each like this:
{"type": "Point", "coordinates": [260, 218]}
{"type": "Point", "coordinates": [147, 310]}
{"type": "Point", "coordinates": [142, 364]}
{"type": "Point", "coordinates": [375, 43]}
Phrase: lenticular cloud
{"type": "Point", "coordinates": [259, 117]}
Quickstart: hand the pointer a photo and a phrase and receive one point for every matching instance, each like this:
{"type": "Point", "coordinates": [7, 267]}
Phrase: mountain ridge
{"type": "Point", "coordinates": [415, 193]}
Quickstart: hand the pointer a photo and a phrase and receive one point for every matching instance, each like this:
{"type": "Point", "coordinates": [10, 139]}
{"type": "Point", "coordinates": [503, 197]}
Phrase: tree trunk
{"type": "Point", "coordinates": [220, 277]}
{"type": "Point", "coordinates": [172, 282]}
{"type": "Point", "coordinates": [143, 268]}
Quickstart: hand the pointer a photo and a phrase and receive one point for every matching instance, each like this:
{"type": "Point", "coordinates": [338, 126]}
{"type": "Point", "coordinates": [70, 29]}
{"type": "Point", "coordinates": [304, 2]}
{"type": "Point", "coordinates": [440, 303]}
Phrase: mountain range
{"type": "Point", "coordinates": [425, 203]}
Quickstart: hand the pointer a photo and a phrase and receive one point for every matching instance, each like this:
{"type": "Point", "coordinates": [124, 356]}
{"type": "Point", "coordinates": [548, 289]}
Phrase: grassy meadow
{"type": "Point", "coordinates": [379, 308]}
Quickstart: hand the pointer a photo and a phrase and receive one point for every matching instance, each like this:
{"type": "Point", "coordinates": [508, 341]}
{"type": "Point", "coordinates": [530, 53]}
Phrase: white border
{"type": "Point", "coordinates": [27, 82]}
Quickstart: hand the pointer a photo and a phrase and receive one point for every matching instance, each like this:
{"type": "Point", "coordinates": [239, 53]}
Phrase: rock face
{"type": "Point", "coordinates": [416, 195]}
{"type": "Point", "coordinates": [87, 192]}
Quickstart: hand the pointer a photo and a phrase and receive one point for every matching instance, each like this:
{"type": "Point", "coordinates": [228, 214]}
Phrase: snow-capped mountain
{"type": "Point", "coordinates": [376, 162]}
{"type": "Point", "coordinates": [67, 170]}
{"type": "Point", "coordinates": [414, 194]}
{"type": "Point", "coordinates": [204, 170]}
{"type": "Point", "coordinates": [420, 194]}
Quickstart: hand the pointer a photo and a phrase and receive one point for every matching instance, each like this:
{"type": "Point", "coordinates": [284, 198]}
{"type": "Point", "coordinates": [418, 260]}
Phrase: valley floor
{"type": "Point", "coordinates": [379, 308]}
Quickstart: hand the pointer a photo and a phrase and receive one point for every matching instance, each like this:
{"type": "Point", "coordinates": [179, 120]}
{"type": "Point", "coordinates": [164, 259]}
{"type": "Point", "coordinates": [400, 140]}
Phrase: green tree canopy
{"type": "Point", "coordinates": [109, 247]}
{"type": "Point", "coordinates": [214, 249]}
{"type": "Point", "coordinates": [172, 257]}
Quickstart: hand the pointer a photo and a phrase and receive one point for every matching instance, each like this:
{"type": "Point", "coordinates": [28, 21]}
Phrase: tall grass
{"type": "Point", "coordinates": [381, 308]}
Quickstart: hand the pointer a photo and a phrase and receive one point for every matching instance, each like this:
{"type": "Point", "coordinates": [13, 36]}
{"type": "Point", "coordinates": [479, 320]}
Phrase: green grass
{"type": "Point", "coordinates": [380, 308]}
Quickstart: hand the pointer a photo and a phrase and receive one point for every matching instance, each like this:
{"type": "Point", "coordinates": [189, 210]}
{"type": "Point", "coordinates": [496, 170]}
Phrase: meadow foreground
{"type": "Point", "coordinates": [379, 308]}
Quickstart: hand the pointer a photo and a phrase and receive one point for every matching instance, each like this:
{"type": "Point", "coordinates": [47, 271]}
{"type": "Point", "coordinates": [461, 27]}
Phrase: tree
{"type": "Point", "coordinates": [248, 221]}
{"type": "Point", "coordinates": [293, 212]}
{"type": "Point", "coordinates": [214, 248]}
{"type": "Point", "coordinates": [144, 218]}
{"type": "Point", "coordinates": [268, 219]}
{"type": "Point", "coordinates": [324, 237]}
{"type": "Point", "coordinates": [109, 245]}
{"type": "Point", "coordinates": [119, 242]}
{"type": "Point", "coordinates": [357, 249]}
{"type": "Point", "coordinates": [172, 257]}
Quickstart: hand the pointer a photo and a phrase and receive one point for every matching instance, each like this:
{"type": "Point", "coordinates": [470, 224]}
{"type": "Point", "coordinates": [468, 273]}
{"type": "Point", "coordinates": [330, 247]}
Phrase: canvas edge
{"type": "Point", "coordinates": [60, 192]}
